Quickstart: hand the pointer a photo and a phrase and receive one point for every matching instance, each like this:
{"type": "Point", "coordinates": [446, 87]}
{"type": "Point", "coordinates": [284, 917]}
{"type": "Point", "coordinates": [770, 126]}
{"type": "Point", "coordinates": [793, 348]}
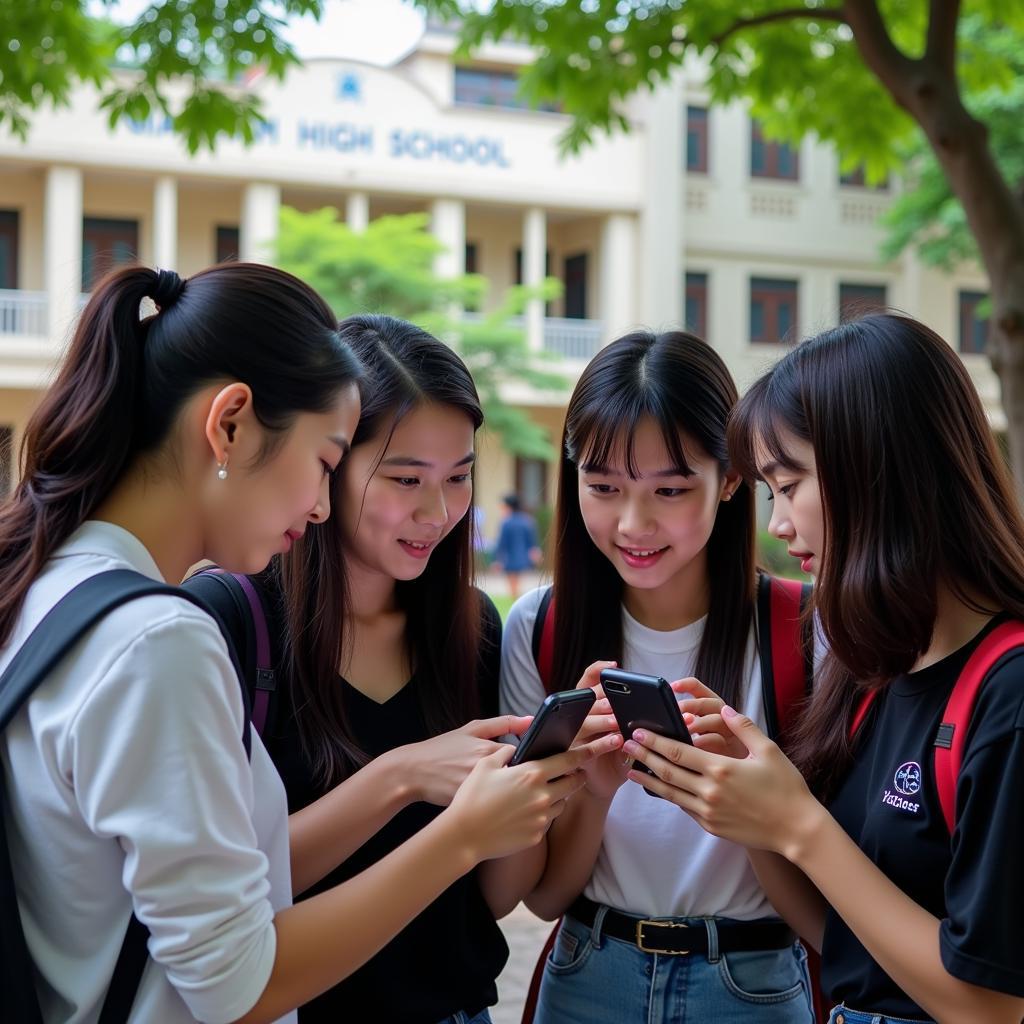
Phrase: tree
{"type": "Point", "coordinates": [49, 49]}
{"type": "Point", "coordinates": [388, 268]}
{"type": "Point", "coordinates": [866, 75]}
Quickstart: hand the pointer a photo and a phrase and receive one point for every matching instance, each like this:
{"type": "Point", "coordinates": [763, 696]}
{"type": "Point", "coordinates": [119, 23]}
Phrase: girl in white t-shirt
{"type": "Point", "coordinates": [654, 571]}
{"type": "Point", "coordinates": [209, 429]}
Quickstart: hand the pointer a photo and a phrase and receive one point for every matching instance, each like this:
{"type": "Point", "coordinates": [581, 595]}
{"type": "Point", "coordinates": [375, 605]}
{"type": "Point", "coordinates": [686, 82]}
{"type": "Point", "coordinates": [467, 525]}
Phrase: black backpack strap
{"type": "Point", "coordinates": [237, 602]}
{"type": "Point", "coordinates": [61, 628]}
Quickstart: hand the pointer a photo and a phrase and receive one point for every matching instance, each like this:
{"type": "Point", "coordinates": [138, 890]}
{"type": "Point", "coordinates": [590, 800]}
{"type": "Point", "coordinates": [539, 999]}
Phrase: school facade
{"type": "Point", "coordinates": [692, 218]}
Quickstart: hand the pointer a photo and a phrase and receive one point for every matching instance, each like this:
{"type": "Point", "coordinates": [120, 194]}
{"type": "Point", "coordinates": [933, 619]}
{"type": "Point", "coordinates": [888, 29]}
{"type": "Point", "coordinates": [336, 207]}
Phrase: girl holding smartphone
{"type": "Point", "coordinates": [654, 570]}
{"type": "Point", "coordinates": [209, 429]}
{"type": "Point", "coordinates": [888, 484]}
{"type": "Point", "coordinates": [387, 658]}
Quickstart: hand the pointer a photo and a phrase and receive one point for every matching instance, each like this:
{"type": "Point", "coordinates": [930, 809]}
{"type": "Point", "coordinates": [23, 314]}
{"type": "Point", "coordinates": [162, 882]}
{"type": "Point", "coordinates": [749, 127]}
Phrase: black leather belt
{"type": "Point", "coordinates": [672, 936]}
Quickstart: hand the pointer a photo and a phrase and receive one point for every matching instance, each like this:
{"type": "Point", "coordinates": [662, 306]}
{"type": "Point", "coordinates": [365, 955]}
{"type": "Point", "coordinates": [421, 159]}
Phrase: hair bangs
{"type": "Point", "coordinates": [755, 431]}
{"type": "Point", "coordinates": [604, 435]}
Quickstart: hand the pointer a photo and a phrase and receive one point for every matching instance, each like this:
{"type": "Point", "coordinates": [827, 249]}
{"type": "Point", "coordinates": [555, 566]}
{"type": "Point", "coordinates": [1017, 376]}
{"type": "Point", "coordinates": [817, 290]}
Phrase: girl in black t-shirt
{"type": "Point", "coordinates": [888, 486]}
{"type": "Point", "coordinates": [387, 658]}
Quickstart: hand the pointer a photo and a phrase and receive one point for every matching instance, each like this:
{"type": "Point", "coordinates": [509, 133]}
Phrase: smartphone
{"type": "Point", "coordinates": [644, 702]}
{"type": "Point", "coordinates": [555, 725]}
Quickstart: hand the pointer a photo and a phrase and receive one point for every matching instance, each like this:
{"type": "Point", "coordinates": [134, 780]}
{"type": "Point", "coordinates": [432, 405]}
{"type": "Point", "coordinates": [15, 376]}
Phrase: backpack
{"type": "Point", "coordinates": [251, 634]}
{"type": "Point", "coordinates": [786, 656]}
{"type": "Point", "coordinates": [951, 736]}
{"type": "Point", "coordinates": [60, 629]}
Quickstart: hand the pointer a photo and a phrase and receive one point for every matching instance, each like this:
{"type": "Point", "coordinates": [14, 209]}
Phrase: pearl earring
{"type": "Point", "coordinates": [222, 470]}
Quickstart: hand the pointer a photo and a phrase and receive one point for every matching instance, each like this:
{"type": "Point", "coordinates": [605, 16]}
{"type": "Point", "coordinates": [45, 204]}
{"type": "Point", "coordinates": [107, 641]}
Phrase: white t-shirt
{"type": "Point", "coordinates": [126, 773]}
{"type": "Point", "coordinates": [654, 859]}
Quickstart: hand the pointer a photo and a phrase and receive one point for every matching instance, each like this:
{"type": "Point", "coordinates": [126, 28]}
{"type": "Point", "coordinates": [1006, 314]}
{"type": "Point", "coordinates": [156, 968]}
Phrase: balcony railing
{"type": "Point", "coordinates": [571, 338]}
{"type": "Point", "coordinates": [23, 312]}
{"type": "Point", "coordinates": [565, 336]}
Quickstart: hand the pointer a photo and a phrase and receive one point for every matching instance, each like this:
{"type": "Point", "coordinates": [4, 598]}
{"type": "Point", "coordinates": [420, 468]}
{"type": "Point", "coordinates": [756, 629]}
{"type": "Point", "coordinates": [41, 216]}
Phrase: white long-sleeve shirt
{"type": "Point", "coordinates": [128, 786]}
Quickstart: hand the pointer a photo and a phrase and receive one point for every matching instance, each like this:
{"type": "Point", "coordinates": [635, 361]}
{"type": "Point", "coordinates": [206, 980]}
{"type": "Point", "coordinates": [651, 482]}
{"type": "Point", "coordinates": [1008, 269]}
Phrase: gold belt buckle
{"type": "Point", "coordinates": [659, 924]}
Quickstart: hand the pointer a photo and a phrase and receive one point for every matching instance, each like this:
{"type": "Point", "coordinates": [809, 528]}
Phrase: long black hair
{"type": "Point", "coordinates": [406, 368]}
{"type": "Point", "coordinates": [914, 492]}
{"type": "Point", "coordinates": [126, 377]}
{"type": "Point", "coordinates": [682, 384]}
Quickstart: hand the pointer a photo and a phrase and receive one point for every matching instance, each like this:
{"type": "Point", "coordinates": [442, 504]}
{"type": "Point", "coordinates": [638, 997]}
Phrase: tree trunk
{"type": "Point", "coordinates": [928, 90]}
{"type": "Point", "coordinates": [996, 219]}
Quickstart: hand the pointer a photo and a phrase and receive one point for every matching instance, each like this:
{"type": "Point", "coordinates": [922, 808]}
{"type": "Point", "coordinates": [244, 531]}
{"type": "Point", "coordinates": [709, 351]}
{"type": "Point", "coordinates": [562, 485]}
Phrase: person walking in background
{"type": "Point", "coordinates": [517, 548]}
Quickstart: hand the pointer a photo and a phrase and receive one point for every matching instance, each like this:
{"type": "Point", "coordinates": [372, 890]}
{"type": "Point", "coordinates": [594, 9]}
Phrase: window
{"type": "Point", "coordinates": [697, 139]}
{"type": "Point", "coordinates": [8, 248]}
{"type": "Point", "coordinates": [973, 327]}
{"type": "Point", "coordinates": [471, 258]}
{"type": "Point", "coordinates": [773, 307]}
{"type": "Point", "coordinates": [697, 304]}
{"type": "Point", "coordinates": [772, 159]}
{"type": "Point", "coordinates": [227, 243]}
{"type": "Point", "coordinates": [532, 483]}
{"type": "Point", "coordinates": [856, 178]}
{"type": "Point", "coordinates": [487, 87]}
{"type": "Point", "coordinates": [6, 460]}
{"type": "Point", "coordinates": [576, 286]}
{"type": "Point", "coordinates": [855, 299]}
{"type": "Point", "coordinates": [106, 244]}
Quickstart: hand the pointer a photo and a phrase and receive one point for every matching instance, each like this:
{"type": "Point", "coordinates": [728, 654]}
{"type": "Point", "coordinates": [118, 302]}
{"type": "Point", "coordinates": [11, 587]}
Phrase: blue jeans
{"type": "Point", "coordinates": [461, 1017]}
{"type": "Point", "coordinates": [844, 1015]}
{"type": "Point", "coordinates": [590, 978]}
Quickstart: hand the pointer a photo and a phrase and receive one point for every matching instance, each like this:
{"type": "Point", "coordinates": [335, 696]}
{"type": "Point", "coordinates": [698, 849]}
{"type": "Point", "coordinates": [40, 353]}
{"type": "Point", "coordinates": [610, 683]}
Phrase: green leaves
{"type": "Point", "coordinates": [389, 268]}
{"type": "Point", "coordinates": [182, 58]}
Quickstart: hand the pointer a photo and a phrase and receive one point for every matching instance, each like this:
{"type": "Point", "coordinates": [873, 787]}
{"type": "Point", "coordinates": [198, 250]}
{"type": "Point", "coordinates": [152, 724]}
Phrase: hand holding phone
{"type": "Point", "coordinates": [644, 702]}
{"type": "Point", "coordinates": [555, 725]}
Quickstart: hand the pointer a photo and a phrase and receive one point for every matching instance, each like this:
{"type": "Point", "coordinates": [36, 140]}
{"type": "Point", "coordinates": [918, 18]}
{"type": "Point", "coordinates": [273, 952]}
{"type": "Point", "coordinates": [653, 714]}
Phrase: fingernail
{"type": "Point", "coordinates": [728, 712]}
{"type": "Point", "coordinates": [631, 748]}
{"type": "Point", "coordinates": [639, 735]}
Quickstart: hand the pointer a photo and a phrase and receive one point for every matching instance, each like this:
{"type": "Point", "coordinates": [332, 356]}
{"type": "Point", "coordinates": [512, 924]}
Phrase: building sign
{"type": "Point", "coordinates": [350, 137]}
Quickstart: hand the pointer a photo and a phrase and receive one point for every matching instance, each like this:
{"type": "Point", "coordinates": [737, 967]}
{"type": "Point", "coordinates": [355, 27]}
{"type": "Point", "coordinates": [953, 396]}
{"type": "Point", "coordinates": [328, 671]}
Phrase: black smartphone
{"type": "Point", "coordinates": [644, 702]}
{"type": "Point", "coordinates": [555, 725]}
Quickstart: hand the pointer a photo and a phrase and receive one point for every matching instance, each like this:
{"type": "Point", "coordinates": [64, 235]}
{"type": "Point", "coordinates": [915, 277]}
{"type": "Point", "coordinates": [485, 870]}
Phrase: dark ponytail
{"type": "Point", "coordinates": [126, 376]}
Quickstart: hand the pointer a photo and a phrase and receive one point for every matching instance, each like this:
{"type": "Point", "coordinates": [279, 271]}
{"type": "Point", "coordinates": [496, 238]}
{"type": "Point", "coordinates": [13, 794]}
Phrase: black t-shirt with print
{"type": "Point", "coordinates": [447, 958]}
{"type": "Point", "coordinates": [972, 882]}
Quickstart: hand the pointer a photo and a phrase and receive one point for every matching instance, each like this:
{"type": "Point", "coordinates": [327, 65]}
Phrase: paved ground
{"type": "Point", "coordinates": [525, 935]}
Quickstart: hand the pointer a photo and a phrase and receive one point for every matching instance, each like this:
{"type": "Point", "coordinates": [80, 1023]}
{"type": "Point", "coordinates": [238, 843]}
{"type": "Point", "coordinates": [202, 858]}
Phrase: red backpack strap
{"type": "Point", "coordinates": [543, 640]}
{"type": "Point", "coordinates": [951, 737]}
{"type": "Point", "coordinates": [533, 992]}
{"type": "Point", "coordinates": [786, 654]}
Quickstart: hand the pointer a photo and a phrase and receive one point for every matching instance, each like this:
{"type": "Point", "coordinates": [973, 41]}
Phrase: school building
{"type": "Point", "coordinates": [693, 218]}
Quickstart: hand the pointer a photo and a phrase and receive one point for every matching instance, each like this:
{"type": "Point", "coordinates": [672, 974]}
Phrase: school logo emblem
{"type": "Point", "coordinates": [908, 778]}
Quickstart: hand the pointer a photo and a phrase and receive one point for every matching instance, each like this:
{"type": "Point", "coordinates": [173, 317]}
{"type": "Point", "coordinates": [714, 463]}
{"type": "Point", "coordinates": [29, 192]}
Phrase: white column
{"type": "Point", "coordinates": [661, 217]}
{"type": "Point", "coordinates": [448, 226]}
{"type": "Point", "coordinates": [535, 243]}
{"type": "Point", "coordinates": [165, 223]}
{"type": "Point", "coordinates": [261, 204]}
{"type": "Point", "coordinates": [618, 275]}
{"type": "Point", "coordinates": [357, 211]}
{"type": "Point", "coordinates": [62, 260]}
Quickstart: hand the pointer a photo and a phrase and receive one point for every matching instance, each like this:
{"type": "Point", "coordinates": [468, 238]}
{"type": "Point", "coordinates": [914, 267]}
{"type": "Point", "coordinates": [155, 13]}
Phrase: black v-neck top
{"type": "Point", "coordinates": [448, 958]}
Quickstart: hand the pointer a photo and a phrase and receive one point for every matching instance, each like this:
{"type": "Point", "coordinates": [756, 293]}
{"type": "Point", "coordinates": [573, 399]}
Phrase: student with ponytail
{"type": "Point", "coordinates": [895, 847]}
{"type": "Point", "coordinates": [654, 570]}
{"type": "Point", "coordinates": [208, 430]}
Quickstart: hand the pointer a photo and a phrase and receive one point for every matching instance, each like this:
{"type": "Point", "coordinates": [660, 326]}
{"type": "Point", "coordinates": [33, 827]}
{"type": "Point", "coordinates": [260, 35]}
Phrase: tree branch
{"type": "Point", "coordinates": [787, 14]}
{"type": "Point", "coordinates": [893, 68]}
{"type": "Point", "coordinates": [940, 48]}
